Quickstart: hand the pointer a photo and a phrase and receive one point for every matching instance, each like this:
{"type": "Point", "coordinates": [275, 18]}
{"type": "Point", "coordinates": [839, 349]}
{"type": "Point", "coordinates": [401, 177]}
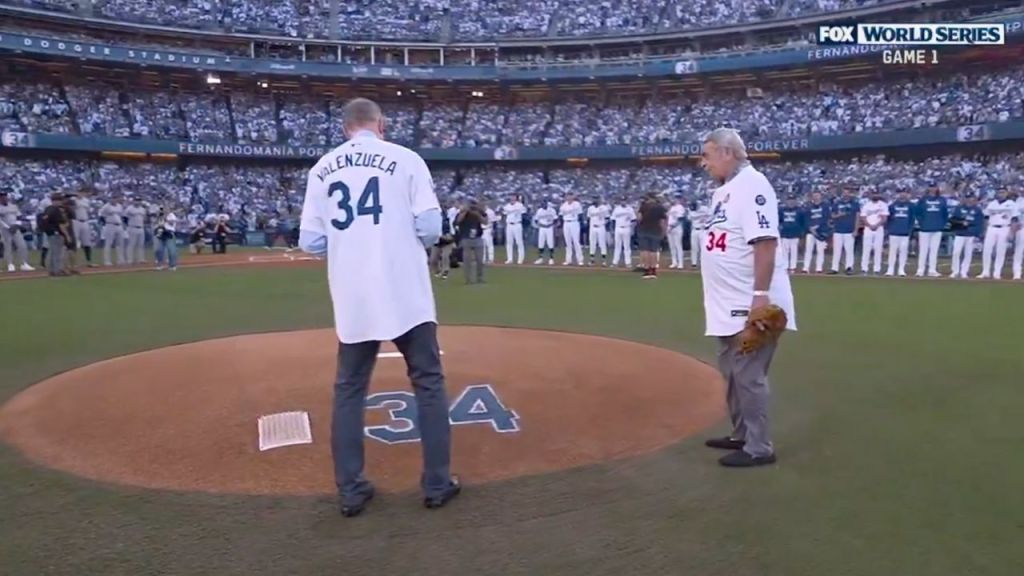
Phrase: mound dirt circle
{"type": "Point", "coordinates": [185, 417]}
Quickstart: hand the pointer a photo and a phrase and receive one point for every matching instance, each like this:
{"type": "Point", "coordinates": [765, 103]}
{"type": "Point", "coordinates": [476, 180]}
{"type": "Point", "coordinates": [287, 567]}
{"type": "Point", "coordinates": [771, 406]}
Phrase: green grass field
{"type": "Point", "coordinates": [897, 416]}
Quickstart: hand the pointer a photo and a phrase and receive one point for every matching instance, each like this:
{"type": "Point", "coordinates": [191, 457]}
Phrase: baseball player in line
{"type": "Point", "coordinates": [972, 218]}
{"type": "Point", "coordinates": [676, 216]}
{"type": "Point", "coordinates": [698, 216]}
{"type": "Point", "coordinates": [844, 223]}
{"type": "Point", "coordinates": [82, 226]}
{"type": "Point", "coordinates": [819, 227]}
{"type": "Point", "coordinates": [900, 224]}
{"type": "Point", "coordinates": [391, 299]}
{"type": "Point", "coordinates": [873, 215]}
{"type": "Point", "coordinates": [598, 215]}
{"type": "Point", "coordinates": [136, 233]}
{"type": "Point", "coordinates": [513, 212]}
{"type": "Point", "coordinates": [113, 230]}
{"type": "Point", "coordinates": [1001, 212]}
{"type": "Point", "coordinates": [623, 216]}
{"type": "Point", "coordinates": [545, 220]}
{"type": "Point", "coordinates": [932, 217]}
{"type": "Point", "coordinates": [1018, 241]}
{"type": "Point", "coordinates": [740, 274]}
{"type": "Point", "coordinates": [791, 228]}
{"type": "Point", "coordinates": [488, 236]}
{"type": "Point", "coordinates": [12, 235]}
{"type": "Point", "coordinates": [570, 211]}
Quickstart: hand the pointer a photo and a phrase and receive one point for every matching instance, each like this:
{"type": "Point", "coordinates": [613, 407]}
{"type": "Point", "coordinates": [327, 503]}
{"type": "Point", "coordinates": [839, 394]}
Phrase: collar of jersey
{"type": "Point", "coordinates": [364, 134]}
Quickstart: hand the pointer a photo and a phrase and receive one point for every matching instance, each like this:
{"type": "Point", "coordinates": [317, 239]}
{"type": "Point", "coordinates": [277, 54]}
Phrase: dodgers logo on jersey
{"type": "Point", "coordinates": [717, 215]}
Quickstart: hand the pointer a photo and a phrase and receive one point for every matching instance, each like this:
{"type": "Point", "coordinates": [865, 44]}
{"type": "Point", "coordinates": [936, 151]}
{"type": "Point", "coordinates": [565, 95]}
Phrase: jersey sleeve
{"type": "Point", "coordinates": [312, 219]}
{"type": "Point", "coordinates": [759, 212]}
{"type": "Point", "coordinates": [421, 188]}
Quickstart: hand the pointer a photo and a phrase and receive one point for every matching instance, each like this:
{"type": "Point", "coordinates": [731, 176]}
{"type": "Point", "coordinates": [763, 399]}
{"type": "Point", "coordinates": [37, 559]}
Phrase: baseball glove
{"type": "Point", "coordinates": [763, 325]}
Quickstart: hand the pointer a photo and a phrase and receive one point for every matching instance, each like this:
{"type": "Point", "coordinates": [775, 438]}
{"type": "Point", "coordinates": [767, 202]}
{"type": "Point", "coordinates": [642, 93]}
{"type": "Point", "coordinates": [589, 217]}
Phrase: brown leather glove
{"type": "Point", "coordinates": [763, 325]}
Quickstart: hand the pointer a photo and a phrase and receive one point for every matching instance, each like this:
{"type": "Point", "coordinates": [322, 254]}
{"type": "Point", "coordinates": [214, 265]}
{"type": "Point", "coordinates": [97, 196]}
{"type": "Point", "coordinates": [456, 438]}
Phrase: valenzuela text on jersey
{"type": "Point", "coordinates": [357, 160]}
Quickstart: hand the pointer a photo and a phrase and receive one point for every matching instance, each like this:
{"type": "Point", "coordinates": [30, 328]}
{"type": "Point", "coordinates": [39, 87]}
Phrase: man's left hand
{"type": "Point", "coordinates": [759, 302]}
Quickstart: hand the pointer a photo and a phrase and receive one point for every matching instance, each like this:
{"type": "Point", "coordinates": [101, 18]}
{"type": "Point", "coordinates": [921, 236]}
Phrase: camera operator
{"type": "Point", "coordinates": [470, 225]}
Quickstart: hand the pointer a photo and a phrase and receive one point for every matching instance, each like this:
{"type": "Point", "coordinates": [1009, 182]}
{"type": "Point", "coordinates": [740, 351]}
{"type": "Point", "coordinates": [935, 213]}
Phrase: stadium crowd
{"type": "Point", "coordinates": [467, 19]}
{"type": "Point", "coordinates": [953, 100]}
{"type": "Point", "coordinates": [243, 191]}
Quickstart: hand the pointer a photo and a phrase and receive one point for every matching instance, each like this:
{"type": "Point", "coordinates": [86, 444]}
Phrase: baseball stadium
{"type": "Point", "coordinates": [654, 287]}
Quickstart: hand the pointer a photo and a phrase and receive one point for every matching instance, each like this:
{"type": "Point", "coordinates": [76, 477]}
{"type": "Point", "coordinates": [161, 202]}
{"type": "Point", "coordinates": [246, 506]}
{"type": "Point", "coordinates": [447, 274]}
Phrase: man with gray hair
{"type": "Point", "coordinates": [370, 207]}
{"type": "Point", "coordinates": [741, 274]}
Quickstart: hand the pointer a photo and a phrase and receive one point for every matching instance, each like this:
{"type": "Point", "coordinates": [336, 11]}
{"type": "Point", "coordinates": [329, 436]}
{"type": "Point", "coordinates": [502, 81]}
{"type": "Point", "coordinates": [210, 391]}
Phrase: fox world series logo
{"type": "Point", "coordinates": [895, 40]}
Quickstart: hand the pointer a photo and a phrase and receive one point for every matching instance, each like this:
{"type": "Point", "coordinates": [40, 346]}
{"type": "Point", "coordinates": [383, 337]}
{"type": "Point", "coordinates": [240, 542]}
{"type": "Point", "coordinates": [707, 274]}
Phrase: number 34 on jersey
{"type": "Point", "coordinates": [718, 240]}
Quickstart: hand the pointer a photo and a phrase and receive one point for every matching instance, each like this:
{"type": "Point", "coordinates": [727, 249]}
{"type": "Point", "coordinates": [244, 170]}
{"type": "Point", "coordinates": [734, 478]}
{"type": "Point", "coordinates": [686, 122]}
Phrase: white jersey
{"type": "Point", "coordinates": [452, 212]}
{"type": "Point", "coordinates": [699, 217]}
{"type": "Point", "coordinates": [82, 205]}
{"type": "Point", "coordinates": [745, 208]}
{"type": "Point", "coordinates": [874, 212]}
{"type": "Point", "coordinates": [1000, 213]}
{"type": "Point", "coordinates": [170, 222]}
{"type": "Point", "coordinates": [675, 216]}
{"type": "Point", "coordinates": [623, 216]}
{"type": "Point", "coordinates": [570, 211]}
{"type": "Point", "coordinates": [1020, 208]}
{"type": "Point", "coordinates": [491, 217]}
{"type": "Point", "coordinates": [598, 215]}
{"type": "Point", "coordinates": [364, 196]}
{"type": "Point", "coordinates": [513, 212]}
{"type": "Point", "coordinates": [112, 214]}
{"type": "Point", "coordinates": [545, 218]}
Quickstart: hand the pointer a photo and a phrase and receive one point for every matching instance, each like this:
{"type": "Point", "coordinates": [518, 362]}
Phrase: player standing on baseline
{"type": "Point", "coordinates": [81, 227]}
{"type": "Point", "coordinates": [513, 212]}
{"type": "Point", "coordinates": [1018, 238]}
{"type": "Point", "coordinates": [698, 216]}
{"type": "Point", "coordinates": [969, 222]}
{"type": "Point", "coordinates": [570, 211]}
{"type": "Point", "coordinates": [1000, 211]}
{"type": "Point", "coordinates": [136, 215]}
{"type": "Point", "coordinates": [873, 215]}
{"type": "Point", "coordinates": [598, 216]}
{"type": "Point", "coordinates": [113, 230]}
{"type": "Point", "coordinates": [818, 215]}
{"type": "Point", "coordinates": [844, 222]}
{"type": "Point", "coordinates": [743, 281]}
{"type": "Point", "coordinates": [489, 233]}
{"type": "Point", "coordinates": [932, 217]}
{"type": "Point", "coordinates": [544, 219]}
{"type": "Point", "coordinates": [676, 215]}
{"type": "Point", "coordinates": [900, 224]}
{"type": "Point", "coordinates": [792, 225]}
{"type": "Point", "coordinates": [12, 235]}
{"type": "Point", "coordinates": [623, 216]}
{"type": "Point", "coordinates": [370, 206]}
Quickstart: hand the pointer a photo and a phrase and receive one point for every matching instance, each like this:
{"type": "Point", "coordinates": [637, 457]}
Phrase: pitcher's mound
{"type": "Point", "coordinates": [522, 402]}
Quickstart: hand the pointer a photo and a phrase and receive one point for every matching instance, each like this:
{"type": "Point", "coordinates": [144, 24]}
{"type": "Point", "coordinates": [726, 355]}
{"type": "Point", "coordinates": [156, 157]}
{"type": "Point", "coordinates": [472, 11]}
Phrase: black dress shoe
{"type": "Point", "coordinates": [740, 459]}
{"type": "Point", "coordinates": [355, 509]}
{"type": "Point", "coordinates": [725, 443]}
{"type": "Point", "coordinates": [439, 501]}
{"type": "Point", "coordinates": [833, 272]}
{"type": "Point", "coordinates": [849, 271]}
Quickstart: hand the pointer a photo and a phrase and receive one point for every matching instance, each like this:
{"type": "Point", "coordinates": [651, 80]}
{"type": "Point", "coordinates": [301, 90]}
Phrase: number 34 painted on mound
{"type": "Point", "coordinates": [478, 404]}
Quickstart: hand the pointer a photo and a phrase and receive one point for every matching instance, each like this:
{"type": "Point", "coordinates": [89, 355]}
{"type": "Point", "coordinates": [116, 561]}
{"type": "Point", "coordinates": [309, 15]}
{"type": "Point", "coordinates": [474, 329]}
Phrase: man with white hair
{"type": "Point", "coordinates": [741, 274]}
